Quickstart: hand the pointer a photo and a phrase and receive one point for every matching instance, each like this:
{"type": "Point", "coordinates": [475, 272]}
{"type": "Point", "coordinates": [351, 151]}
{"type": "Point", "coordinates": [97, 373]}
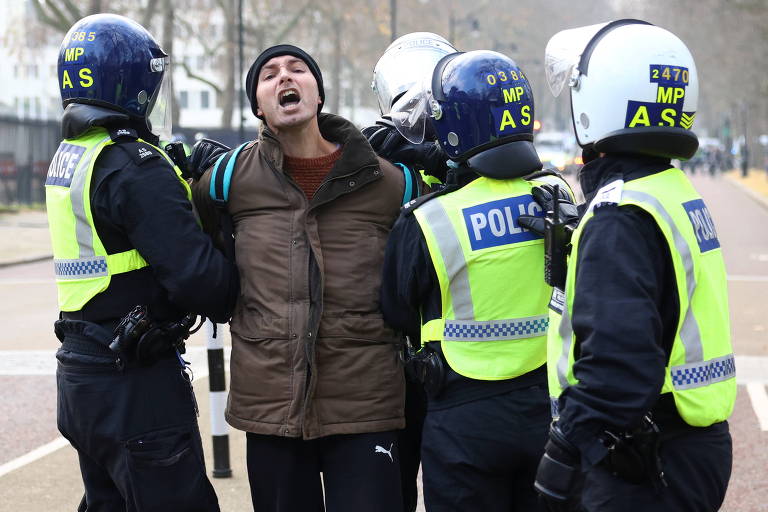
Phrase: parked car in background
{"type": "Point", "coordinates": [559, 151]}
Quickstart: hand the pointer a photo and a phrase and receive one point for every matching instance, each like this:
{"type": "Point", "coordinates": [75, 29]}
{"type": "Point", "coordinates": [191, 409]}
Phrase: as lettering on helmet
{"type": "Point", "coordinates": [667, 110]}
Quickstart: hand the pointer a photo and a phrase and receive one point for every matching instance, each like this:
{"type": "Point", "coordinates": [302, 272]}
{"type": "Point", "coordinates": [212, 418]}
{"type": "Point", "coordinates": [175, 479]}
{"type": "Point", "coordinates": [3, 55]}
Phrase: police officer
{"type": "Point", "coordinates": [460, 275]}
{"type": "Point", "coordinates": [641, 368]}
{"type": "Point", "coordinates": [124, 235]}
{"type": "Point", "coordinates": [398, 71]}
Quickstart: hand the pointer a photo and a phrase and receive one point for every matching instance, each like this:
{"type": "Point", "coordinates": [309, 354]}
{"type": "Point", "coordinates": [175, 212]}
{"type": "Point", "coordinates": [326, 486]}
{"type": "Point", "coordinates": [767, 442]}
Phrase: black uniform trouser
{"type": "Point", "coordinates": [136, 434]}
{"type": "Point", "coordinates": [361, 473]}
{"type": "Point", "coordinates": [409, 443]}
{"type": "Point", "coordinates": [482, 455]}
{"type": "Point", "coordinates": [697, 467]}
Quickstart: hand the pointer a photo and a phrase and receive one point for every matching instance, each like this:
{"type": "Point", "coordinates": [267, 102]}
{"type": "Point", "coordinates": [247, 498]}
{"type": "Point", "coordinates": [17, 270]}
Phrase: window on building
{"type": "Point", "coordinates": [38, 112]}
{"type": "Point", "coordinates": [205, 99]}
{"type": "Point", "coordinates": [183, 99]}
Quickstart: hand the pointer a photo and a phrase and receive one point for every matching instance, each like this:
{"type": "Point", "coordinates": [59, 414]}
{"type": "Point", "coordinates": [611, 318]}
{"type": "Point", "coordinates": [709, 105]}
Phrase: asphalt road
{"type": "Point", "coordinates": [52, 482]}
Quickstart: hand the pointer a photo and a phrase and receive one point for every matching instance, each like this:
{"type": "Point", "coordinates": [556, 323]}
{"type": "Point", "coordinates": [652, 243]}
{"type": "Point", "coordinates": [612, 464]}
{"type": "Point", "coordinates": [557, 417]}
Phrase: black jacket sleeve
{"type": "Point", "coordinates": [146, 201]}
{"type": "Point", "coordinates": [409, 288]}
{"type": "Point", "coordinates": [623, 321]}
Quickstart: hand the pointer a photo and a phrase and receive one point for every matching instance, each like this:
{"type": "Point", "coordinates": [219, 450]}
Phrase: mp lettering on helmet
{"type": "Point", "coordinates": [515, 115]}
{"type": "Point", "coordinates": [667, 110]}
{"type": "Point", "coordinates": [703, 227]}
{"type": "Point", "coordinates": [63, 165]}
{"type": "Point", "coordinates": [495, 223]}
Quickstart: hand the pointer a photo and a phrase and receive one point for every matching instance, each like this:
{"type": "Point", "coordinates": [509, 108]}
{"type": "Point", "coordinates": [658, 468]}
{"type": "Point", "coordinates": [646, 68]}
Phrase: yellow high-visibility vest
{"type": "Point", "coordinates": [83, 267]}
{"type": "Point", "coordinates": [494, 302]}
{"type": "Point", "coordinates": [701, 372]}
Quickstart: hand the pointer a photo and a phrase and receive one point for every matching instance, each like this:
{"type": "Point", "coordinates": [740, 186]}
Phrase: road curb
{"type": "Point", "coordinates": [759, 198]}
{"type": "Point", "coordinates": [34, 259]}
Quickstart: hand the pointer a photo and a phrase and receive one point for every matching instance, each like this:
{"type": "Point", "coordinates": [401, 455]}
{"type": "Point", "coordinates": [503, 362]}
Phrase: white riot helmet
{"type": "Point", "coordinates": [634, 87]}
{"type": "Point", "coordinates": [403, 64]}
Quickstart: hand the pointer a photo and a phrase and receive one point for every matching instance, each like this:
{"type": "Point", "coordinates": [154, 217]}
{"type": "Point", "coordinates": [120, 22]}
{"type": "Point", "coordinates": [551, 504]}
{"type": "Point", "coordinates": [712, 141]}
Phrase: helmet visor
{"type": "Point", "coordinates": [409, 113]}
{"type": "Point", "coordinates": [402, 63]}
{"type": "Point", "coordinates": [563, 52]}
{"type": "Point", "coordinates": [159, 112]}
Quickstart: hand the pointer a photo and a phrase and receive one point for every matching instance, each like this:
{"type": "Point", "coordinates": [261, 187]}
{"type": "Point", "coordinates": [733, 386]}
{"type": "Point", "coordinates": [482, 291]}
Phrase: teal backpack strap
{"type": "Point", "coordinates": [222, 175]}
{"type": "Point", "coordinates": [411, 189]}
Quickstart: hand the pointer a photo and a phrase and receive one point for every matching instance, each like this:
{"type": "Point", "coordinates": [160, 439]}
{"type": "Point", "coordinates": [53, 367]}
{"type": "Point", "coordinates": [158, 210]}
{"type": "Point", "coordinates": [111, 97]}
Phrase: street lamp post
{"type": "Point", "coordinates": [239, 87]}
{"type": "Point", "coordinates": [393, 19]}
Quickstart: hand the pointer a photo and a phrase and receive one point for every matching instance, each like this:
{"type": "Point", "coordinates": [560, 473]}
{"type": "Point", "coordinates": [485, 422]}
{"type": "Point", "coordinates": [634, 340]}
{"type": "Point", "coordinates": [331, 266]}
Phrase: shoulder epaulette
{"type": "Point", "coordinates": [123, 134]}
{"type": "Point", "coordinates": [608, 195]}
{"type": "Point", "coordinates": [139, 152]}
{"type": "Point", "coordinates": [409, 207]}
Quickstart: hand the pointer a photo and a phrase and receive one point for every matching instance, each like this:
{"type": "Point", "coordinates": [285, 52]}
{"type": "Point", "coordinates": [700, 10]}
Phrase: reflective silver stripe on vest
{"type": "Point", "coordinates": [81, 268]}
{"type": "Point", "coordinates": [695, 372]}
{"type": "Point", "coordinates": [87, 265]}
{"type": "Point", "coordinates": [496, 330]}
{"type": "Point", "coordinates": [695, 375]}
{"type": "Point", "coordinates": [453, 258]}
{"type": "Point", "coordinates": [83, 229]}
{"type": "Point", "coordinates": [566, 334]}
{"type": "Point", "coordinates": [689, 331]}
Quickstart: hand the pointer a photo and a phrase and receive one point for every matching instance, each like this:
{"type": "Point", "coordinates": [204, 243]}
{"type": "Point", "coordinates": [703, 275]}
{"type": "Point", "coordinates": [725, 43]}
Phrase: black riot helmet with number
{"type": "Point", "coordinates": [481, 108]}
{"type": "Point", "coordinates": [111, 61]}
{"type": "Point", "coordinates": [634, 87]}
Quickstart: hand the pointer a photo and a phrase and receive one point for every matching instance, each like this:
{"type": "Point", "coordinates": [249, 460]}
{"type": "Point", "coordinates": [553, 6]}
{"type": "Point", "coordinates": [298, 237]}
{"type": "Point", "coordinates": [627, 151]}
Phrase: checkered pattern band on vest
{"type": "Point", "coordinates": [80, 268]}
{"type": "Point", "coordinates": [495, 330]}
{"type": "Point", "coordinates": [696, 375]}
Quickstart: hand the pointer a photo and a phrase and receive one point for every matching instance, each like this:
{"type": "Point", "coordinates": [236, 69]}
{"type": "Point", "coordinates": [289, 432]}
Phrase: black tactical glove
{"type": "Point", "coordinates": [387, 142]}
{"type": "Point", "coordinates": [558, 478]}
{"type": "Point", "coordinates": [204, 155]}
{"type": "Point", "coordinates": [560, 220]}
{"type": "Point", "coordinates": [544, 196]}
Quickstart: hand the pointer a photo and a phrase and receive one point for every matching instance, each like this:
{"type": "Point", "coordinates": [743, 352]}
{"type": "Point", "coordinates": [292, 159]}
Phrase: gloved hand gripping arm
{"type": "Point", "coordinates": [387, 142]}
{"type": "Point", "coordinates": [203, 156]}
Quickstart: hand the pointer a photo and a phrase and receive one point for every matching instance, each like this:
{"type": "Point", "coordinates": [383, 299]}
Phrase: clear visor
{"type": "Point", "coordinates": [410, 111]}
{"type": "Point", "coordinates": [563, 52]}
{"type": "Point", "coordinates": [159, 114]}
{"type": "Point", "coordinates": [395, 73]}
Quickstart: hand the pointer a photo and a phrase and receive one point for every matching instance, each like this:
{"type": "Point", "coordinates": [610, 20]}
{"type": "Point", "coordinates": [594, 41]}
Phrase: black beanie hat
{"type": "Point", "coordinates": [252, 78]}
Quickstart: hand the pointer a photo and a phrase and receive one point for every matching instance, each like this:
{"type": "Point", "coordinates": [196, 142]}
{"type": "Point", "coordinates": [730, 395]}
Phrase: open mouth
{"type": "Point", "coordinates": [289, 97]}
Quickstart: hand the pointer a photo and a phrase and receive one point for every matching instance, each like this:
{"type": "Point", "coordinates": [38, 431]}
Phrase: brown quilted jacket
{"type": "Point", "coordinates": [311, 354]}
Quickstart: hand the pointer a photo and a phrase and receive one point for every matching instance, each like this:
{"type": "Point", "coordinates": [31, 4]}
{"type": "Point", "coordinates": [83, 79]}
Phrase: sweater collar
{"type": "Point", "coordinates": [356, 151]}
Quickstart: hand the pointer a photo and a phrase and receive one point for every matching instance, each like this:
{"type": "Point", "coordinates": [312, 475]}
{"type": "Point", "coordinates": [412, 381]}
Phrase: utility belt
{"type": "Point", "coordinates": [634, 456]}
{"type": "Point", "coordinates": [426, 367]}
{"type": "Point", "coordinates": [136, 338]}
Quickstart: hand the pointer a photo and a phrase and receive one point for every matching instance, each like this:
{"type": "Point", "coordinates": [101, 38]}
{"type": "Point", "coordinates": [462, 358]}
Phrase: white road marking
{"type": "Point", "coordinates": [751, 369]}
{"type": "Point", "coordinates": [37, 453]}
{"type": "Point", "coordinates": [748, 278]}
{"type": "Point", "coordinates": [24, 282]}
{"type": "Point", "coordinates": [759, 399]}
{"type": "Point", "coordinates": [43, 362]}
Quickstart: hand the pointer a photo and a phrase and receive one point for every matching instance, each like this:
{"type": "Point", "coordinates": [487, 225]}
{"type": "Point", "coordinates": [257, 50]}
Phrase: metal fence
{"type": "Point", "coordinates": [27, 146]}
